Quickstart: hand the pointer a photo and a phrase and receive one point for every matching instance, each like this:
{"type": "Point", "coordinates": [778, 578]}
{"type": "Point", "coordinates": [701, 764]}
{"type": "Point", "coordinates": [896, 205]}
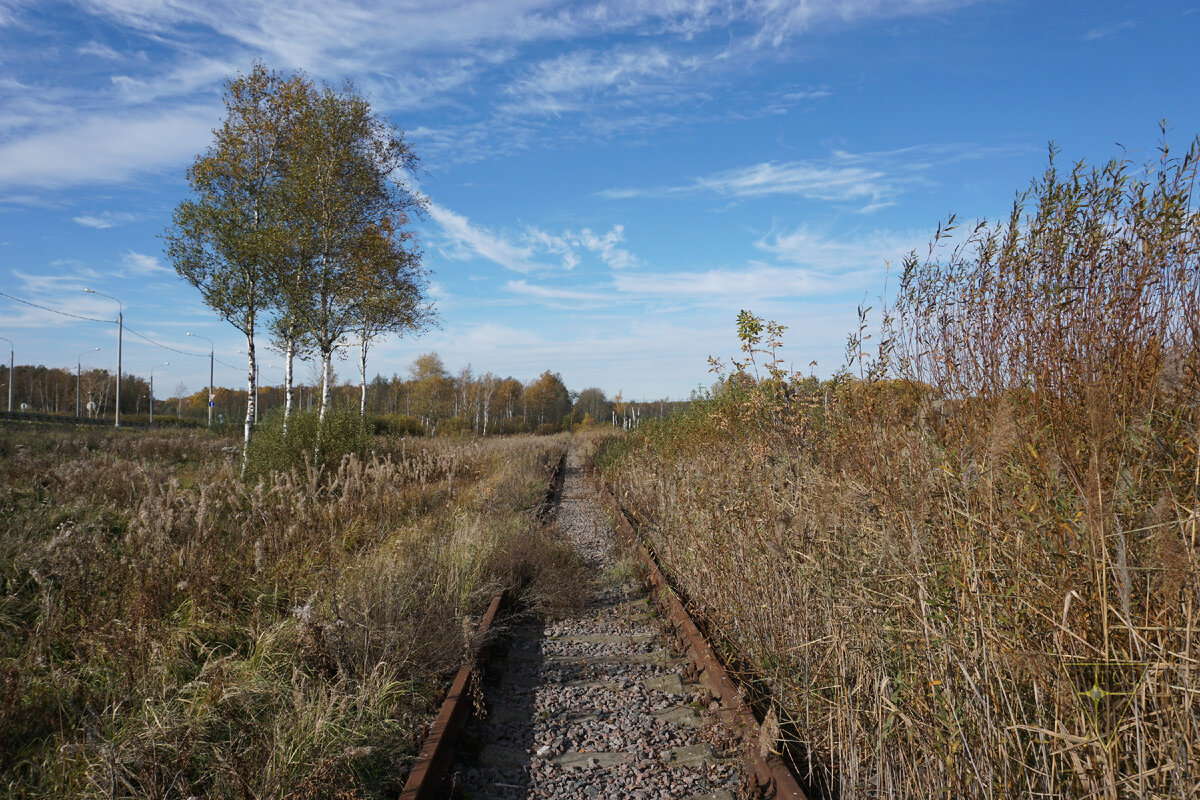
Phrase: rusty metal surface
{"type": "Point", "coordinates": [554, 491]}
{"type": "Point", "coordinates": [437, 753]}
{"type": "Point", "coordinates": [771, 777]}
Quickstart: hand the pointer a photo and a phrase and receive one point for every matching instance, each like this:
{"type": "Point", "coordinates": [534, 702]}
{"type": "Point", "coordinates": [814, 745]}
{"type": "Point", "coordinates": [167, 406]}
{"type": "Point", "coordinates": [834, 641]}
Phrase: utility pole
{"type": "Point", "coordinates": [78, 373]}
{"type": "Point", "coordinates": [11, 360]}
{"type": "Point", "coordinates": [211, 400]}
{"type": "Point", "coordinates": [120, 335]}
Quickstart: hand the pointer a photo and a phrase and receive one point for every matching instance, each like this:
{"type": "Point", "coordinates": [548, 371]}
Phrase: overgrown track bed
{"type": "Point", "coordinates": [766, 773]}
{"type": "Point", "coordinates": [169, 630]}
{"type": "Point", "coordinates": [59, 419]}
{"type": "Point", "coordinates": [597, 703]}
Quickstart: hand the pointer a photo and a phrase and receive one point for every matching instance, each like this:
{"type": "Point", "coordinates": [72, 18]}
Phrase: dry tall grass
{"type": "Point", "coordinates": [168, 631]}
{"type": "Point", "coordinates": [979, 577]}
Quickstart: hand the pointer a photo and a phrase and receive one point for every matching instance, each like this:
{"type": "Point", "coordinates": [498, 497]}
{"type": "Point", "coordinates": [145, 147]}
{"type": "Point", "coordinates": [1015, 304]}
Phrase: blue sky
{"type": "Point", "coordinates": [610, 182]}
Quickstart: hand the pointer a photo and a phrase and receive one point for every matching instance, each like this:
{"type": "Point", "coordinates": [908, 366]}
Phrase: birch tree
{"type": "Point", "coordinates": [227, 241]}
{"type": "Point", "coordinates": [387, 292]}
{"type": "Point", "coordinates": [348, 189]}
{"type": "Point", "coordinates": [289, 338]}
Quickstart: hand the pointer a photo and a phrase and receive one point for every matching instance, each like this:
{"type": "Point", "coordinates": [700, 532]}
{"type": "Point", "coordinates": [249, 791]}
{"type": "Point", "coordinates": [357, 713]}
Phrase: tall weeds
{"type": "Point", "coordinates": [168, 631]}
{"type": "Point", "coordinates": [975, 570]}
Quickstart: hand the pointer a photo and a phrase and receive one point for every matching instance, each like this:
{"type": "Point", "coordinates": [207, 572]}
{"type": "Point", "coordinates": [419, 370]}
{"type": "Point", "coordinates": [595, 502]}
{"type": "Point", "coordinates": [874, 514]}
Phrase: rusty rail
{"type": "Point", "coordinates": [425, 782]}
{"type": "Point", "coordinates": [769, 776]}
{"type": "Point", "coordinates": [437, 753]}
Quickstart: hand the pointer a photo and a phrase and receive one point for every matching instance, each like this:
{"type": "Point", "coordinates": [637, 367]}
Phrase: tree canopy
{"type": "Point", "coordinates": [300, 210]}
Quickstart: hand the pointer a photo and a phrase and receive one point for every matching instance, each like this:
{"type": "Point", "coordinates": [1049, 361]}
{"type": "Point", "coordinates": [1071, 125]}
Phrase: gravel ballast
{"type": "Point", "coordinates": [593, 705]}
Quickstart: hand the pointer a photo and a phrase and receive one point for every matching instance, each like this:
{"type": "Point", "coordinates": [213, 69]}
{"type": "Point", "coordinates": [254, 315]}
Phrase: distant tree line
{"type": "Point", "coordinates": [52, 390]}
{"type": "Point", "coordinates": [428, 400]}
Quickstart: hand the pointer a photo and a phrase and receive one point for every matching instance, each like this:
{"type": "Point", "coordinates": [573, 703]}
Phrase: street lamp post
{"type": "Point", "coordinates": [78, 373]}
{"type": "Point", "coordinates": [11, 360]}
{"type": "Point", "coordinates": [156, 366]}
{"type": "Point", "coordinates": [120, 335]}
{"type": "Point", "coordinates": [211, 402]}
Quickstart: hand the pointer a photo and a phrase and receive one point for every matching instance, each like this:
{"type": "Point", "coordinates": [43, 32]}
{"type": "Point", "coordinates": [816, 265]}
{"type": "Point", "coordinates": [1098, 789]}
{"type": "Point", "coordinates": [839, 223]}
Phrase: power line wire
{"type": "Point", "coordinates": [55, 310]}
{"type": "Point", "coordinates": [175, 350]}
{"type": "Point", "coordinates": [145, 338]}
{"type": "Point", "coordinates": [127, 328]}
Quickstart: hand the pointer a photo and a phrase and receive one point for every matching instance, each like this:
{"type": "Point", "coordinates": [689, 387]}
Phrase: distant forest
{"type": "Point", "coordinates": [429, 400]}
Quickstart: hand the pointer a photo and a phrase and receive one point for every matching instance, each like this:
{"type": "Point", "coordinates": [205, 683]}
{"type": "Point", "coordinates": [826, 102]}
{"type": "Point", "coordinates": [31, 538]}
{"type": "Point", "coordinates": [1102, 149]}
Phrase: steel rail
{"type": "Point", "coordinates": [771, 778]}
{"type": "Point", "coordinates": [426, 781]}
{"type": "Point", "coordinates": [437, 752]}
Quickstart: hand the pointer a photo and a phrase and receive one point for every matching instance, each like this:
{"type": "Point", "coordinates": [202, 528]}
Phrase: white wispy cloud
{"type": "Point", "coordinates": [780, 21]}
{"type": "Point", "coordinates": [807, 179]}
{"type": "Point", "coordinates": [142, 264]}
{"type": "Point", "coordinates": [181, 81]}
{"type": "Point", "coordinates": [818, 264]}
{"type": "Point", "coordinates": [874, 178]}
{"type": "Point", "coordinates": [829, 180]}
{"type": "Point", "coordinates": [555, 245]}
{"type": "Point", "coordinates": [868, 252]}
{"type": "Point", "coordinates": [1105, 31]}
{"type": "Point", "coordinates": [736, 285]}
{"type": "Point", "coordinates": [523, 287]}
{"type": "Point", "coordinates": [807, 94]}
{"type": "Point", "coordinates": [527, 251]}
{"type": "Point", "coordinates": [568, 81]}
{"type": "Point", "coordinates": [105, 219]}
{"type": "Point", "coordinates": [466, 241]}
{"type": "Point", "coordinates": [117, 148]}
{"type": "Point", "coordinates": [96, 49]}
{"type": "Point", "coordinates": [604, 246]}
{"type": "Point", "coordinates": [61, 290]}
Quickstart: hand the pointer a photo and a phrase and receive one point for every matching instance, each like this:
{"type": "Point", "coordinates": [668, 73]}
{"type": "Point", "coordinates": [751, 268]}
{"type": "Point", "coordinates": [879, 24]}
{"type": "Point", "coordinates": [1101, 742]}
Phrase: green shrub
{"type": "Point", "coordinates": [395, 425]}
{"type": "Point", "coordinates": [273, 450]}
{"type": "Point", "coordinates": [454, 426]}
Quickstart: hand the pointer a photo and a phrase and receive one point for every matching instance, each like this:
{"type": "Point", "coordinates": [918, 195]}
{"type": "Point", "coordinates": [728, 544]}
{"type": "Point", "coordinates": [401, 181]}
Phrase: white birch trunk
{"type": "Point", "coordinates": [487, 403]}
{"type": "Point", "coordinates": [289, 356]}
{"type": "Point", "coordinates": [326, 389]}
{"type": "Point", "coordinates": [250, 398]}
{"type": "Point", "coordinates": [362, 365]}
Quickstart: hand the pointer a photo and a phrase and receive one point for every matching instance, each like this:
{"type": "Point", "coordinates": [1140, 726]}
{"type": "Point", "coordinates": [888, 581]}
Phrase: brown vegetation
{"type": "Point", "coordinates": [168, 631]}
{"type": "Point", "coordinates": [981, 576]}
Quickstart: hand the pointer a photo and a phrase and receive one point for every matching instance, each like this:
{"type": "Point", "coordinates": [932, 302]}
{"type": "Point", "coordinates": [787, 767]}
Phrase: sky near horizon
{"type": "Point", "coordinates": [610, 182]}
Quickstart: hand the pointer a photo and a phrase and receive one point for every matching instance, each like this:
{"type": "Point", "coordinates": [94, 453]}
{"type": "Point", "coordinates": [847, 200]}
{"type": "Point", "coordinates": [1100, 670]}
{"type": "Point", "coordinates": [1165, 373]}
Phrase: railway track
{"type": "Point", "coordinates": [620, 700]}
{"type": "Point", "coordinates": [59, 419]}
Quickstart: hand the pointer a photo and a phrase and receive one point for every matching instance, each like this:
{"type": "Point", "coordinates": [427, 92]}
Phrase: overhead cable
{"type": "Point", "coordinates": [55, 310]}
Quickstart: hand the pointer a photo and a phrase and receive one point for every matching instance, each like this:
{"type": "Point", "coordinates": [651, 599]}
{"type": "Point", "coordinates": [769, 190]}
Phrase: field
{"type": "Point", "coordinates": [967, 564]}
{"type": "Point", "coordinates": [167, 630]}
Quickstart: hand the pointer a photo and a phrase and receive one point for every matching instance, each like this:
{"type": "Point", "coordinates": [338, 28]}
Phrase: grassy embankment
{"type": "Point", "coordinates": [973, 568]}
{"type": "Point", "coordinates": [169, 631]}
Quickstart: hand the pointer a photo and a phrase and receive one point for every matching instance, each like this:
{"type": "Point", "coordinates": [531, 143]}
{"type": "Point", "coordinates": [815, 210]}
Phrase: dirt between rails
{"type": "Point", "coordinates": [595, 705]}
